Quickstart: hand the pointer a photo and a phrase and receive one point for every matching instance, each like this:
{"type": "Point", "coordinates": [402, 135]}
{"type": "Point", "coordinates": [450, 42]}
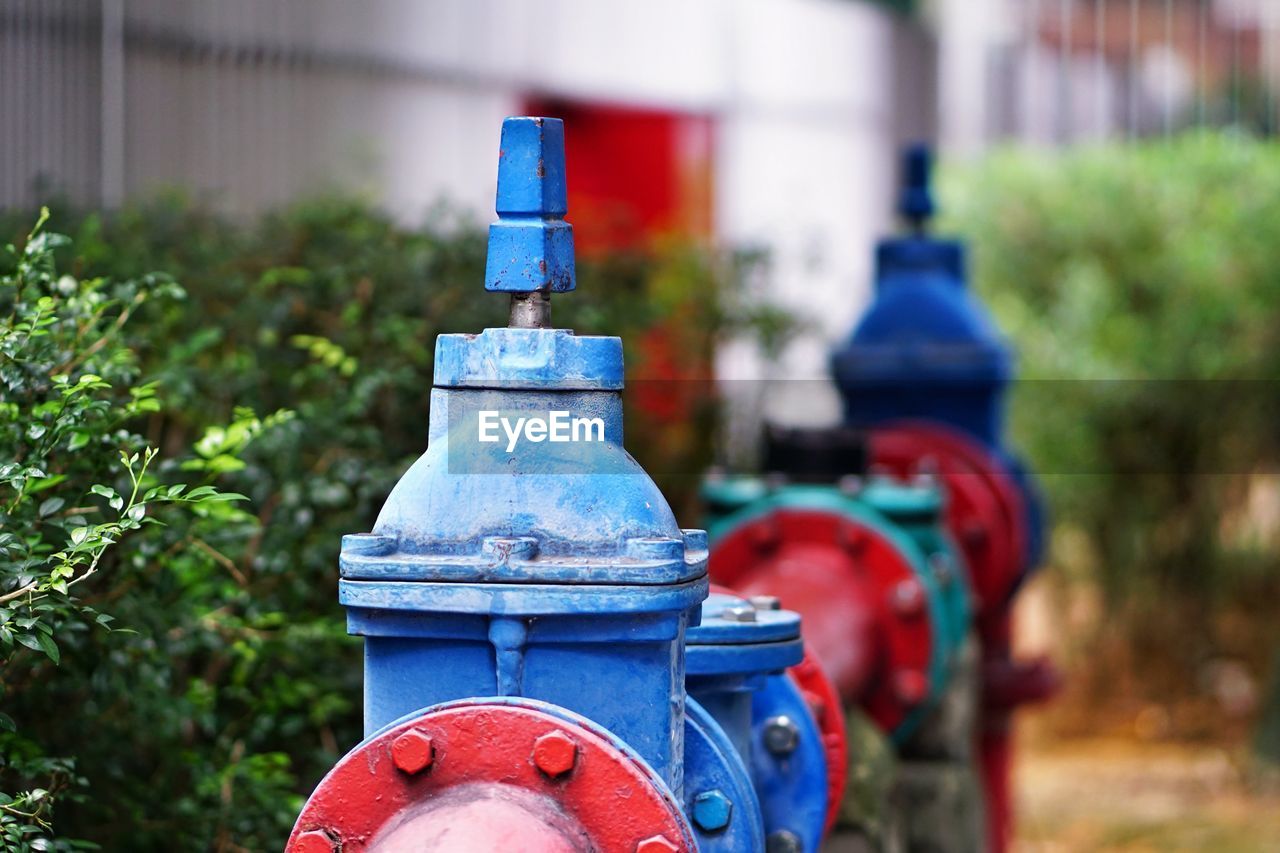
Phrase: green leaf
{"type": "Point", "coordinates": [50, 647]}
{"type": "Point", "coordinates": [50, 506]}
{"type": "Point", "coordinates": [31, 641]}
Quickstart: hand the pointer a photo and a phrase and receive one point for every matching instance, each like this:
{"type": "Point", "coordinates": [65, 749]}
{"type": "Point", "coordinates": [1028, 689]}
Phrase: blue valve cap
{"type": "Point", "coordinates": [915, 203]}
{"type": "Point", "coordinates": [531, 246]}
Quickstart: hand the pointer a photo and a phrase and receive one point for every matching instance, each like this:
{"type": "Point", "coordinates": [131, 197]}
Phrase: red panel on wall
{"type": "Point", "coordinates": [634, 174]}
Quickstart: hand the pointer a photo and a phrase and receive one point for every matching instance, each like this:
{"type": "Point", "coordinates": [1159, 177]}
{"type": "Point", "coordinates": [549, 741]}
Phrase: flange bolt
{"type": "Point", "coordinates": [555, 754]}
{"type": "Point", "coordinates": [316, 841]}
{"type": "Point", "coordinates": [781, 735]}
{"type": "Point", "coordinates": [739, 613]}
{"type": "Point", "coordinates": [908, 598]}
{"type": "Point", "coordinates": [412, 752]}
{"type": "Point", "coordinates": [782, 841]}
{"type": "Point", "coordinates": [712, 811]}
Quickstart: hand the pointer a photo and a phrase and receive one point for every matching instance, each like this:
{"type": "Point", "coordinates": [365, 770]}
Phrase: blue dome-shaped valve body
{"type": "Point", "coordinates": [525, 553]}
{"type": "Point", "coordinates": [926, 349]}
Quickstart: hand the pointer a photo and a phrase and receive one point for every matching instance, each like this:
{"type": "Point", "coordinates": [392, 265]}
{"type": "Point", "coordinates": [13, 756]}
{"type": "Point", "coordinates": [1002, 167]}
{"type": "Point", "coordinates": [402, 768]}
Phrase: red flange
{"type": "Point", "coordinates": [824, 702]}
{"type": "Point", "coordinates": [987, 518]}
{"type": "Point", "coordinates": [505, 775]}
{"type": "Point", "coordinates": [862, 607]}
{"type": "Point", "coordinates": [984, 507]}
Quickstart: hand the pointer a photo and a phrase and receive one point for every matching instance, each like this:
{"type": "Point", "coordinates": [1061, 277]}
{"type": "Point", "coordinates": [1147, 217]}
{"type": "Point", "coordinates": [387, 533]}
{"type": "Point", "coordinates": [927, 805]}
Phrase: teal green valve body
{"type": "Point", "coordinates": [867, 564]}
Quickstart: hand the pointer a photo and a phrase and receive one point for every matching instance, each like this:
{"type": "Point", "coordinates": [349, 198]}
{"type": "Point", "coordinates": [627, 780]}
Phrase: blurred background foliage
{"type": "Point", "coordinates": [206, 727]}
{"type": "Point", "coordinates": [1141, 287]}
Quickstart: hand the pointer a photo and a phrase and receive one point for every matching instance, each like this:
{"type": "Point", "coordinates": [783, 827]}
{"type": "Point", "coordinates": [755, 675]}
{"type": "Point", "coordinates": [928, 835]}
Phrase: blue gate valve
{"type": "Point", "coordinates": [540, 560]}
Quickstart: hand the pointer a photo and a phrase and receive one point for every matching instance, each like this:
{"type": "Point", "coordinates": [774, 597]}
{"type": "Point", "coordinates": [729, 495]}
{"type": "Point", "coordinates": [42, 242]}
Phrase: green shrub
{"type": "Point", "coordinates": [241, 688]}
{"type": "Point", "coordinates": [76, 483]}
{"type": "Point", "coordinates": [1141, 285]}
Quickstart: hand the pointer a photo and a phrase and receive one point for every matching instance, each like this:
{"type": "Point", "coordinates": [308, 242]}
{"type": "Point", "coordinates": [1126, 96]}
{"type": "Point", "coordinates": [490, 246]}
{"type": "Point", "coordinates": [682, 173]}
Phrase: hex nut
{"type": "Point", "coordinates": [781, 735]}
{"type": "Point", "coordinates": [656, 844]}
{"type": "Point", "coordinates": [817, 705]}
{"type": "Point", "coordinates": [764, 535]}
{"type": "Point", "coordinates": [555, 754]}
{"type": "Point", "coordinates": [765, 602]}
{"type": "Point", "coordinates": [942, 569]}
{"type": "Point", "coordinates": [412, 752]}
{"type": "Point", "coordinates": [910, 686]}
{"type": "Point", "coordinates": [315, 841]}
{"type": "Point", "coordinates": [853, 539]}
{"type": "Point", "coordinates": [851, 485]}
{"type": "Point", "coordinates": [782, 841]}
{"type": "Point", "coordinates": [739, 613]}
{"type": "Point", "coordinates": [974, 534]}
{"type": "Point", "coordinates": [712, 810]}
{"type": "Point", "coordinates": [908, 598]}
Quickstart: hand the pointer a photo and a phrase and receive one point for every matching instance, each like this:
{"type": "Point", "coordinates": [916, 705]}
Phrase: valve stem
{"type": "Point", "coordinates": [531, 310]}
{"type": "Point", "coordinates": [915, 196]}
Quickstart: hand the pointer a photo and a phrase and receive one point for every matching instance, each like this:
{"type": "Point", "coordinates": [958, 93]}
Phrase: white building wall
{"type": "Point", "coordinates": [252, 103]}
{"type": "Point", "coordinates": [807, 169]}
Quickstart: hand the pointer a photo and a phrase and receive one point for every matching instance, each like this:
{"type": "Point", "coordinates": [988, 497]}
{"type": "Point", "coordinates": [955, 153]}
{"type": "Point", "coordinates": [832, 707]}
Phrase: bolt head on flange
{"type": "Point", "coordinates": [910, 686]}
{"type": "Point", "coordinates": [908, 598]}
{"type": "Point", "coordinates": [739, 613]}
{"type": "Point", "coordinates": [782, 841]}
{"type": "Point", "coordinates": [555, 754]}
{"type": "Point", "coordinates": [656, 844]}
{"type": "Point", "coordinates": [712, 810]}
{"type": "Point", "coordinates": [765, 602]}
{"type": "Point", "coordinates": [412, 752]}
{"type": "Point", "coordinates": [942, 568]}
{"type": "Point", "coordinates": [781, 735]}
{"type": "Point", "coordinates": [316, 841]}
{"type": "Point", "coordinates": [853, 539]}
